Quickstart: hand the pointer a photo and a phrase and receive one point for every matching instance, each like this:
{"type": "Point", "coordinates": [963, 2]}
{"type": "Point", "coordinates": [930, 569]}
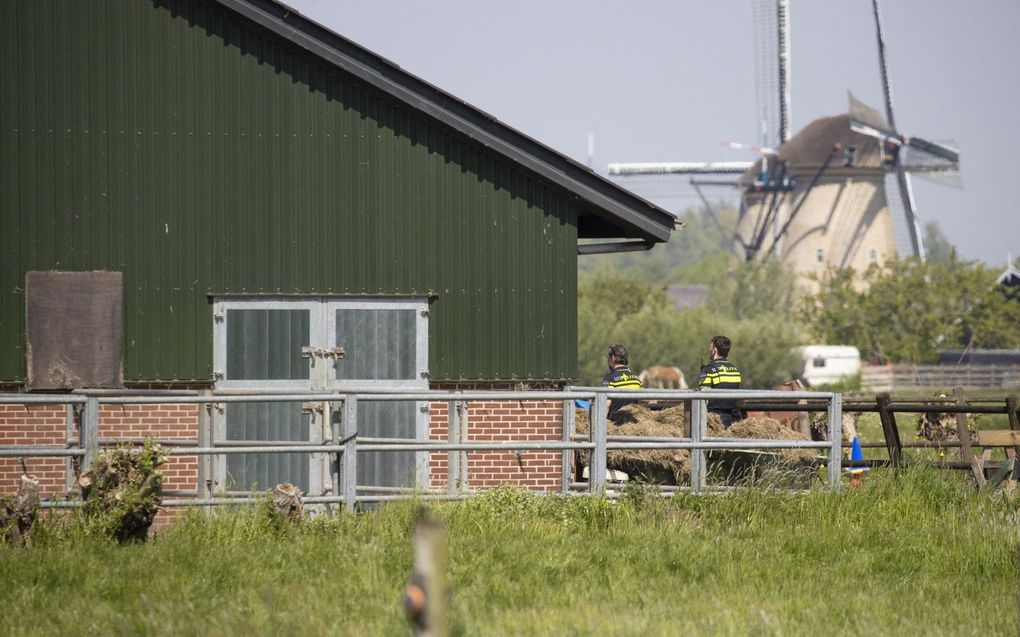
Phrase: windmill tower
{"type": "Point", "coordinates": [837, 194]}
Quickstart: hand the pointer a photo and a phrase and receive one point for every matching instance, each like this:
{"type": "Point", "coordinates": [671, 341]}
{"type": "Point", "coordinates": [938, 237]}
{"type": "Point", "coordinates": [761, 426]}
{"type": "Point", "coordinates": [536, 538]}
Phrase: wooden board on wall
{"type": "Point", "coordinates": [74, 329]}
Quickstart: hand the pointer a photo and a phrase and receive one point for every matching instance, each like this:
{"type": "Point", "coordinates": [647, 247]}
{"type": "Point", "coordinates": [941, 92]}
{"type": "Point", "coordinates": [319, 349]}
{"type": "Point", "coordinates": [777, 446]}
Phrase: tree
{"type": "Point", "coordinates": [697, 240]}
{"type": "Point", "coordinates": [937, 247]}
{"type": "Point", "coordinates": [622, 299]}
{"type": "Point", "coordinates": [656, 333]}
{"type": "Point", "coordinates": [909, 310]}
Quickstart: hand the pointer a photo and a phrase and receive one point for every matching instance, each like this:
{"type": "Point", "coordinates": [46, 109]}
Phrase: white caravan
{"type": "Point", "coordinates": [824, 364]}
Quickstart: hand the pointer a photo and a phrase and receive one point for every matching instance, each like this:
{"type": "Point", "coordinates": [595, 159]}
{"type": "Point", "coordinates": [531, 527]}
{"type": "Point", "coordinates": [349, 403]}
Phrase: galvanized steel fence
{"type": "Point", "coordinates": [343, 444]}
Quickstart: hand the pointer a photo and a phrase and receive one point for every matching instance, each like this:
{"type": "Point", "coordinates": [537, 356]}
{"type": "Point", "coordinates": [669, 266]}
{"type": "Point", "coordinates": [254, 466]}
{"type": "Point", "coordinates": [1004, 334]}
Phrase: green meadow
{"type": "Point", "coordinates": [918, 552]}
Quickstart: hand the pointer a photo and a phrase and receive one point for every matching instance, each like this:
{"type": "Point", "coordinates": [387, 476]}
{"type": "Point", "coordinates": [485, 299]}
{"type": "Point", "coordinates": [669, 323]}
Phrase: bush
{"type": "Point", "coordinates": [121, 492]}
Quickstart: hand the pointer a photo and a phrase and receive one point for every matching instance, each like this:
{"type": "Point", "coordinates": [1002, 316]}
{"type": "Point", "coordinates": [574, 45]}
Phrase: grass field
{"type": "Point", "coordinates": [918, 553]}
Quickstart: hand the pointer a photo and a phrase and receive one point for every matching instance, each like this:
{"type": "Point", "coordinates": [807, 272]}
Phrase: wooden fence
{"type": "Point", "coordinates": [885, 378]}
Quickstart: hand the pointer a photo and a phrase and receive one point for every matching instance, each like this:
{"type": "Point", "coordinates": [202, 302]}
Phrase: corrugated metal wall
{"type": "Point", "coordinates": [167, 140]}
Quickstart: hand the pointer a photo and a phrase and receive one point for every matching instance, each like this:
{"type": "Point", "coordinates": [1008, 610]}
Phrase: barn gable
{"type": "Point", "coordinates": [223, 149]}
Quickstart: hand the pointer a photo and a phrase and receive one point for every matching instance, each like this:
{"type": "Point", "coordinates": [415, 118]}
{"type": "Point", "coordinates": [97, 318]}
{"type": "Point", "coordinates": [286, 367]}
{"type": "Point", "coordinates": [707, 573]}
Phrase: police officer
{"type": "Point", "coordinates": [620, 376]}
{"type": "Point", "coordinates": [721, 374]}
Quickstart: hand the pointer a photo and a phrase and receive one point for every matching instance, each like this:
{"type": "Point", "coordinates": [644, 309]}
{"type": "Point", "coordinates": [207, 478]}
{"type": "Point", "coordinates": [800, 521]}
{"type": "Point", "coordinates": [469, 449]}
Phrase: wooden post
{"type": "Point", "coordinates": [425, 596]}
{"type": "Point", "coordinates": [804, 421]}
{"type": "Point", "coordinates": [977, 467]}
{"type": "Point", "coordinates": [892, 433]}
{"type": "Point", "coordinates": [966, 453]}
{"type": "Point", "coordinates": [1013, 407]}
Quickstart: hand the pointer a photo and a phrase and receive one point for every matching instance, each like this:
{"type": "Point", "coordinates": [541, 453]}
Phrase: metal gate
{"type": "Point", "coordinates": [318, 345]}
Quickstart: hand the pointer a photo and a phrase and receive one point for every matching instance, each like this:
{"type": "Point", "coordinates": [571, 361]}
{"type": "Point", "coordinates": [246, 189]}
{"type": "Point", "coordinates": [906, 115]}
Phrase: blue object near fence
{"type": "Point", "coordinates": [582, 404]}
{"type": "Point", "coordinates": [857, 454]}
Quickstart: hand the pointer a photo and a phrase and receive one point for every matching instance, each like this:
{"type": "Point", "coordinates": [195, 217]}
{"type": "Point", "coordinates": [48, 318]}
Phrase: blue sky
{"type": "Point", "coordinates": [669, 81]}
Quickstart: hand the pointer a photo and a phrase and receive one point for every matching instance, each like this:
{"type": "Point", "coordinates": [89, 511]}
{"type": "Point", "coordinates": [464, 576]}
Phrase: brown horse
{"type": "Point", "coordinates": [791, 419]}
{"type": "Point", "coordinates": [813, 427]}
{"type": "Point", "coordinates": [661, 377]}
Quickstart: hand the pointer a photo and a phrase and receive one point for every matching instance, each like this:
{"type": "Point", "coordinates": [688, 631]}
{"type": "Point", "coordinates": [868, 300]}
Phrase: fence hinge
{"type": "Point", "coordinates": [307, 408]}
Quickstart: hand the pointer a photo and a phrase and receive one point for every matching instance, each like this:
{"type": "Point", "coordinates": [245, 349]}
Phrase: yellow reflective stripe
{"type": "Point", "coordinates": [717, 380]}
{"type": "Point", "coordinates": [626, 383]}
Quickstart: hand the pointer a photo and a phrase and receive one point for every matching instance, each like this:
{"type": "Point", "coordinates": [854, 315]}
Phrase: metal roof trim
{"type": "Point", "coordinates": [621, 206]}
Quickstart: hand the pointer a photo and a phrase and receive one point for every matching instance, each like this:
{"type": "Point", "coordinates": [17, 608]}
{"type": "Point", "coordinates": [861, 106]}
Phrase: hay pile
{"type": "Point", "coordinates": [666, 466]}
{"type": "Point", "coordinates": [673, 466]}
{"type": "Point", "coordinates": [769, 429]}
{"type": "Point", "coordinates": [941, 427]}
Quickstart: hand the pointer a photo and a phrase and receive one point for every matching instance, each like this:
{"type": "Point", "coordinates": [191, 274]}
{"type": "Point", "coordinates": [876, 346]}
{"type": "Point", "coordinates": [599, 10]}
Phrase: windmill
{"type": "Point", "coordinates": [836, 194]}
{"type": "Point", "coordinates": [858, 207]}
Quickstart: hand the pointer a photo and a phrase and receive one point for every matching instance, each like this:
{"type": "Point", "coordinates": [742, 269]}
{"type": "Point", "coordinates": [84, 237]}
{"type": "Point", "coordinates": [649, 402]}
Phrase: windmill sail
{"type": "Point", "coordinates": [772, 70]}
{"type": "Point", "coordinates": [864, 116]}
{"type": "Point", "coordinates": [934, 161]}
{"type": "Point", "coordinates": [899, 198]}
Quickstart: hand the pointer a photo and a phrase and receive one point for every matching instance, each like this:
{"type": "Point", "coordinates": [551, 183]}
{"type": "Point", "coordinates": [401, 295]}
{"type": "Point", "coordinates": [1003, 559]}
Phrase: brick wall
{"type": "Point", "coordinates": [46, 425]}
{"type": "Point", "coordinates": [33, 425]}
{"type": "Point", "coordinates": [498, 421]}
{"type": "Point", "coordinates": [487, 421]}
{"type": "Point", "coordinates": [169, 423]}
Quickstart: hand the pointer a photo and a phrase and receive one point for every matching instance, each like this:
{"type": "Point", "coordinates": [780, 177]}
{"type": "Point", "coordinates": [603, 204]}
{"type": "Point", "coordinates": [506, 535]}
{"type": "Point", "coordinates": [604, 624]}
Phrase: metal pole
{"type": "Point", "coordinates": [699, 430]}
{"type": "Point", "coordinates": [835, 417]}
{"type": "Point", "coordinates": [334, 464]}
{"type": "Point", "coordinates": [567, 456]}
{"type": "Point", "coordinates": [453, 457]}
{"type": "Point", "coordinates": [205, 438]}
{"type": "Point", "coordinates": [464, 428]}
{"type": "Point", "coordinates": [218, 467]}
{"type": "Point", "coordinates": [350, 458]}
{"type": "Point", "coordinates": [599, 433]}
{"type": "Point", "coordinates": [89, 437]}
{"type": "Point", "coordinates": [68, 461]}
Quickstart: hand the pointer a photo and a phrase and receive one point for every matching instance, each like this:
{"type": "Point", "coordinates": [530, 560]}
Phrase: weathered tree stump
{"type": "Point", "coordinates": [287, 500]}
{"type": "Point", "coordinates": [17, 516]}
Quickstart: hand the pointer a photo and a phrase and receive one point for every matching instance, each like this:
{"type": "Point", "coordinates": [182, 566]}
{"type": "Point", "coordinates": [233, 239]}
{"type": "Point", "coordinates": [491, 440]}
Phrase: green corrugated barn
{"type": "Point", "coordinates": [241, 166]}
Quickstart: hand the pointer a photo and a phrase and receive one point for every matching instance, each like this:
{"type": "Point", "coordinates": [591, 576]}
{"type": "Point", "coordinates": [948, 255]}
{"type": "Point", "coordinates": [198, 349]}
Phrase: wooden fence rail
{"type": "Point", "coordinates": [934, 377]}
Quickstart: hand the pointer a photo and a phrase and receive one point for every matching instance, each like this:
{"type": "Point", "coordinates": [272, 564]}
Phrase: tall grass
{"type": "Point", "coordinates": [917, 552]}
